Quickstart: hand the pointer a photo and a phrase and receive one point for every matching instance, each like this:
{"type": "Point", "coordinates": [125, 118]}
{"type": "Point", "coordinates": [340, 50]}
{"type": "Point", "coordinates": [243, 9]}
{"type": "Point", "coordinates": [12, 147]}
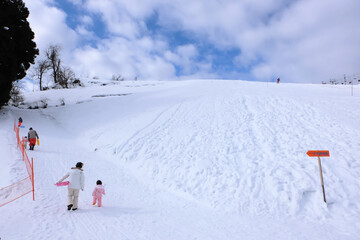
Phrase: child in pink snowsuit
{"type": "Point", "coordinates": [99, 190]}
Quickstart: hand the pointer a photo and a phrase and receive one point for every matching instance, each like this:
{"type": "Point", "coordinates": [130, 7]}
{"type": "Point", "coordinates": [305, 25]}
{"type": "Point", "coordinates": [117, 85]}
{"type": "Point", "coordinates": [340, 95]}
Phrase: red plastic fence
{"type": "Point", "coordinates": [22, 187]}
{"type": "Point", "coordinates": [29, 165]}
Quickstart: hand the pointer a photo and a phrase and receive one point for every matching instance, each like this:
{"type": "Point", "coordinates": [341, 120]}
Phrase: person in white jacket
{"type": "Point", "coordinates": [77, 182]}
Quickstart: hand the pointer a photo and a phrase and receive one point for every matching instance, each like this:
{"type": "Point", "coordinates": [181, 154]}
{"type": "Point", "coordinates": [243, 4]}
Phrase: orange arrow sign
{"type": "Point", "coordinates": [318, 153]}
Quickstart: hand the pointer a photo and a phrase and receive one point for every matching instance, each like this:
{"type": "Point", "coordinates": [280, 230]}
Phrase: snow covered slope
{"type": "Point", "coordinates": [189, 160]}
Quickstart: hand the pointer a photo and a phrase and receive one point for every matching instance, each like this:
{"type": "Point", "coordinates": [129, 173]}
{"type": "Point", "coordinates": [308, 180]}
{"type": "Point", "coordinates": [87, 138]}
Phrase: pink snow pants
{"type": "Point", "coordinates": [98, 200]}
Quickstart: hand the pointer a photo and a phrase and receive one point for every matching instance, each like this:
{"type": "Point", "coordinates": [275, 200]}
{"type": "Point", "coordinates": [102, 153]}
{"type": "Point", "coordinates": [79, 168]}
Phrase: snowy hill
{"type": "Point", "coordinates": [188, 160]}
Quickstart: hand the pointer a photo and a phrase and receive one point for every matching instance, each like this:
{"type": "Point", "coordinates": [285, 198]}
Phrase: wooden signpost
{"type": "Point", "coordinates": [319, 153]}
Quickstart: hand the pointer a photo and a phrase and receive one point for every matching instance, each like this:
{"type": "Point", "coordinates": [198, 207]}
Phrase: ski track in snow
{"type": "Point", "coordinates": [239, 142]}
{"type": "Point", "coordinates": [222, 165]}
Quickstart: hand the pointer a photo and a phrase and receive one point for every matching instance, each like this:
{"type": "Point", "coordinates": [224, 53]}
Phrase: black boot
{"type": "Point", "coordinates": [69, 207]}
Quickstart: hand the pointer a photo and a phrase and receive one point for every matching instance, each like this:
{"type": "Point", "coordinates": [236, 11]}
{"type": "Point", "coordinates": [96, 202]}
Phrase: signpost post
{"type": "Point", "coordinates": [319, 153]}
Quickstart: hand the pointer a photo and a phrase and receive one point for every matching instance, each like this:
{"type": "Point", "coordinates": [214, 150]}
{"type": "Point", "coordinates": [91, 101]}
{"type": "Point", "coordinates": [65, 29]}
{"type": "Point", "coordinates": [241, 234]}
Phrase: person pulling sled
{"type": "Point", "coordinates": [76, 182]}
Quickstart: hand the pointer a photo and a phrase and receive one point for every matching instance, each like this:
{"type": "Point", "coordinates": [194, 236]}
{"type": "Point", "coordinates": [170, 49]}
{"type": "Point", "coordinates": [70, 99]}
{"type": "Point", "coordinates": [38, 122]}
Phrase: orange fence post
{"type": "Point", "coordinates": [32, 179]}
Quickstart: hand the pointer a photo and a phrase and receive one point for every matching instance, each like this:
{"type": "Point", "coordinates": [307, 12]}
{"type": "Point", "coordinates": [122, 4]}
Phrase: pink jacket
{"type": "Point", "coordinates": [99, 190]}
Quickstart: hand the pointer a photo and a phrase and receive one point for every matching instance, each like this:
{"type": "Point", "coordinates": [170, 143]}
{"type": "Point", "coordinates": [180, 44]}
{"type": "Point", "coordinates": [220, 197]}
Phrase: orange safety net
{"type": "Point", "coordinates": [15, 191]}
{"type": "Point", "coordinates": [23, 187]}
{"type": "Point", "coordinates": [22, 149]}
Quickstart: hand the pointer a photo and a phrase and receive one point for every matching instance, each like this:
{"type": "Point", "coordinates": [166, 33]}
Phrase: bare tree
{"type": "Point", "coordinates": [117, 77]}
{"type": "Point", "coordinates": [66, 76]}
{"type": "Point", "coordinates": [53, 56]}
{"type": "Point", "coordinates": [40, 69]}
{"type": "Point", "coordinates": [61, 75]}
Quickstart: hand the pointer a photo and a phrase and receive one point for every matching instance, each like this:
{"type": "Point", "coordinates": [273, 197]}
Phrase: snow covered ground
{"type": "Point", "coordinates": [206, 159]}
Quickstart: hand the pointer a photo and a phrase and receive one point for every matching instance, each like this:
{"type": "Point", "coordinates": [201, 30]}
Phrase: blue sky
{"type": "Point", "coordinates": [299, 41]}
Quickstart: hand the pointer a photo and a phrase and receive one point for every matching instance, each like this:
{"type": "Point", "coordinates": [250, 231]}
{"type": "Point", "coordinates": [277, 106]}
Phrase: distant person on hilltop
{"type": "Point", "coordinates": [77, 182]}
{"type": "Point", "coordinates": [20, 121]}
{"type": "Point", "coordinates": [32, 136]}
{"type": "Point", "coordinates": [278, 81]}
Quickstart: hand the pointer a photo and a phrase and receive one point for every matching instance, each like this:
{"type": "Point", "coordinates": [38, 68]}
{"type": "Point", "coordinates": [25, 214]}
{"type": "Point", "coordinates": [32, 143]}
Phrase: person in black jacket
{"type": "Point", "coordinates": [20, 121]}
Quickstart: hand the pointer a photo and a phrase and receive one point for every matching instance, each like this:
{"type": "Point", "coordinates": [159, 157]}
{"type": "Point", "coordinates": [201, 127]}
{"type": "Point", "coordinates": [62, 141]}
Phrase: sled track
{"type": "Point", "coordinates": [187, 137]}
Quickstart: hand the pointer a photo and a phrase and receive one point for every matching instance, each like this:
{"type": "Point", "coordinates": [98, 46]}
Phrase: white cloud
{"type": "Point", "coordinates": [84, 32]}
{"type": "Point", "coordinates": [312, 41]}
{"type": "Point", "coordinates": [117, 18]}
{"type": "Point", "coordinates": [49, 26]}
{"type": "Point", "coordinates": [184, 57]}
{"type": "Point", "coordinates": [156, 68]}
{"type": "Point", "coordinates": [298, 40]}
{"type": "Point", "coordinates": [86, 20]}
{"type": "Point", "coordinates": [187, 51]}
{"type": "Point", "coordinates": [76, 2]}
{"type": "Point", "coordinates": [121, 56]}
{"type": "Point", "coordinates": [84, 28]}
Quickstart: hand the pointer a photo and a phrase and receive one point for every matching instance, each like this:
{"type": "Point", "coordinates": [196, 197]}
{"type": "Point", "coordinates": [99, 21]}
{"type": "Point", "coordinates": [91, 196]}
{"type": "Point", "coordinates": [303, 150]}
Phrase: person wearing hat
{"type": "Point", "coordinates": [32, 136]}
{"type": "Point", "coordinates": [77, 182]}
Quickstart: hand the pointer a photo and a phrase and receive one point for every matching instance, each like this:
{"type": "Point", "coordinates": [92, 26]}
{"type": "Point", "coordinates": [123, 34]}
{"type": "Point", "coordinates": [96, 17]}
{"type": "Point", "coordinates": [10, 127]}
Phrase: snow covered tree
{"type": "Point", "coordinates": [17, 48]}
